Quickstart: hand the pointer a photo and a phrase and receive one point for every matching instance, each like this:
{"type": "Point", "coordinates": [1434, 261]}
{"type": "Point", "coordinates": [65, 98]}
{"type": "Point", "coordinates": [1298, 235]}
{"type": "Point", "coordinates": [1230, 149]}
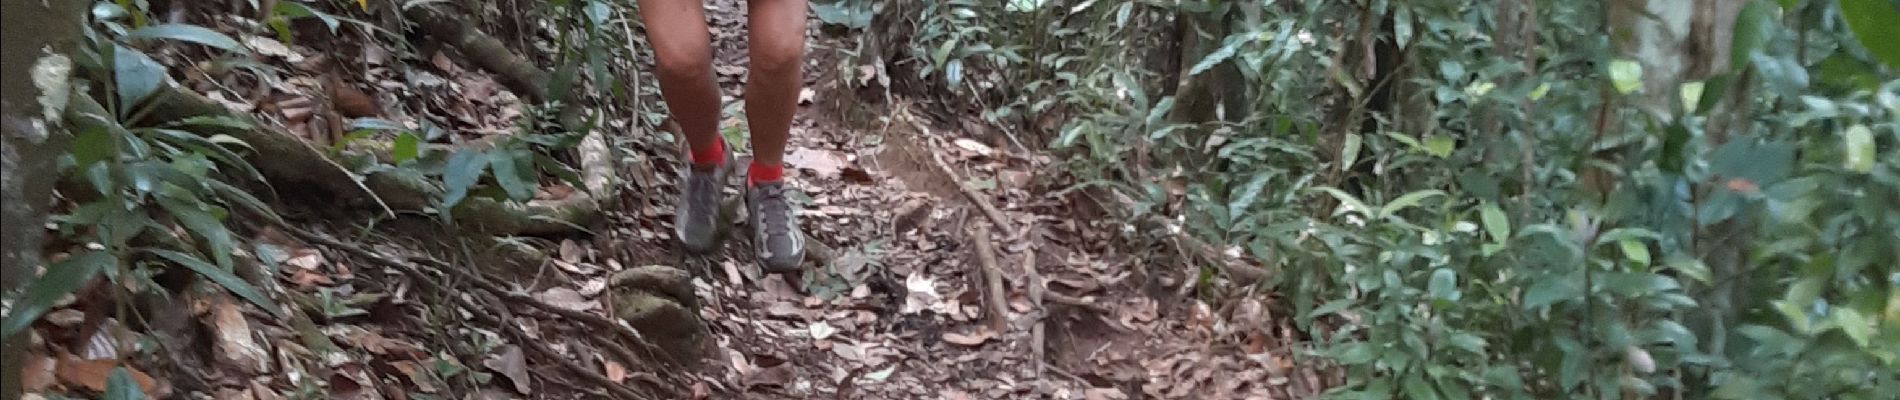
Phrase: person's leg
{"type": "Point", "coordinates": [771, 93]}
{"type": "Point", "coordinates": [778, 52]}
{"type": "Point", "coordinates": [683, 46]}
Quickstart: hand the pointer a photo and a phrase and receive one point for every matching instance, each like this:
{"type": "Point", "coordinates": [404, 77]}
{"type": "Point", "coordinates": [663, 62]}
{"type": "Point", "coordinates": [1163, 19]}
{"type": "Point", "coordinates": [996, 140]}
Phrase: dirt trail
{"type": "Point", "coordinates": [906, 308]}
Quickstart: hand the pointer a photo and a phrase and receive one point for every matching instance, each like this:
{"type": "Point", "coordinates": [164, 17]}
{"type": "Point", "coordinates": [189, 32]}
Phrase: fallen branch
{"type": "Point", "coordinates": [993, 276]}
{"type": "Point", "coordinates": [1068, 300]}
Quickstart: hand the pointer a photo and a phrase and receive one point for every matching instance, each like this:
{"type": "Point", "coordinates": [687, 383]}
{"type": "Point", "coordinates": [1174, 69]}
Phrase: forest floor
{"type": "Point", "coordinates": [914, 212]}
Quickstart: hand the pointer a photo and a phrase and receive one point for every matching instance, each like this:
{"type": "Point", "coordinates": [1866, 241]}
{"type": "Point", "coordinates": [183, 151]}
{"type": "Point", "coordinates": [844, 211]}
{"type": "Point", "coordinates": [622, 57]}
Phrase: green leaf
{"type": "Point", "coordinates": [1439, 145]}
{"type": "Point", "coordinates": [1346, 199]}
{"type": "Point", "coordinates": [200, 221]}
{"type": "Point", "coordinates": [1250, 192]}
{"type": "Point", "coordinates": [210, 121]}
{"type": "Point", "coordinates": [136, 75]}
{"type": "Point", "coordinates": [1418, 389]}
{"type": "Point", "coordinates": [1635, 250]}
{"type": "Point", "coordinates": [188, 33]}
{"type": "Point", "coordinates": [407, 148]}
{"type": "Point", "coordinates": [503, 162]}
{"type": "Point", "coordinates": [1407, 201]}
{"type": "Point", "coordinates": [93, 145]}
{"type": "Point", "coordinates": [1754, 26]}
{"type": "Point", "coordinates": [463, 169]}
{"type": "Point", "coordinates": [1858, 143]}
{"type": "Point", "coordinates": [121, 386]}
{"type": "Point", "coordinates": [293, 9]}
{"type": "Point", "coordinates": [210, 148]}
{"type": "Point", "coordinates": [1349, 154]}
{"type": "Point", "coordinates": [60, 279]}
{"type": "Point", "coordinates": [221, 276]}
{"type": "Point", "coordinates": [1550, 290]}
{"type": "Point", "coordinates": [1873, 23]}
{"type": "Point", "coordinates": [1855, 325]}
{"type": "Point", "coordinates": [1227, 49]}
{"type": "Point", "coordinates": [1444, 285]}
{"type": "Point", "coordinates": [1626, 76]}
{"type": "Point", "coordinates": [1495, 222]}
{"type": "Point", "coordinates": [234, 195]}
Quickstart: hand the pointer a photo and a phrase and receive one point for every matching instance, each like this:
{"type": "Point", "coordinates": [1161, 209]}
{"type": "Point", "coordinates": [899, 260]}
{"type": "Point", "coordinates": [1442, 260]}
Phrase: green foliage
{"type": "Point", "coordinates": [1499, 231]}
{"type": "Point", "coordinates": [133, 179]}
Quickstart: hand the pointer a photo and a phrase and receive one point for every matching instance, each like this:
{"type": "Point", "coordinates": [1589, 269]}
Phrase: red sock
{"type": "Point", "coordinates": [760, 173]}
{"type": "Point", "coordinates": [711, 155]}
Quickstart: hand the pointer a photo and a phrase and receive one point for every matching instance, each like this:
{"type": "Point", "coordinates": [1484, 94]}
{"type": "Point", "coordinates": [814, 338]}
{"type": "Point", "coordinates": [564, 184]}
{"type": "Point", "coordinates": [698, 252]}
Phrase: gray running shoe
{"type": "Point", "coordinates": [698, 218]}
{"type": "Point", "coordinates": [774, 227]}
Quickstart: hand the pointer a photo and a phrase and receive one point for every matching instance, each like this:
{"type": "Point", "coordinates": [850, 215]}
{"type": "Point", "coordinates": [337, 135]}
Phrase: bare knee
{"type": "Point", "coordinates": [778, 55]}
{"type": "Point", "coordinates": [684, 62]}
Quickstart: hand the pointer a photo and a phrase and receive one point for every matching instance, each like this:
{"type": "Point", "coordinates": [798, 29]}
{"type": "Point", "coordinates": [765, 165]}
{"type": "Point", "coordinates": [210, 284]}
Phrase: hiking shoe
{"type": "Point", "coordinates": [774, 227]}
{"type": "Point", "coordinates": [698, 218]}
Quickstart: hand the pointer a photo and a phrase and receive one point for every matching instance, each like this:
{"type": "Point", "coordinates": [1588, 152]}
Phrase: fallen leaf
{"type": "Point", "coordinates": [975, 147]}
{"type": "Point", "coordinates": [777, 375]}
{"type": "Point", "coordinates": [510, 363]}
{"type": "Point", "coordinates": [91, 374]}
{"type": "Point", "coordinates": [441, 61]}
{"type": "Point", "coordinates": [109, 341]}
{"type": "Point", "coordinates": [566, 298]}
{"type": "Point", "coordinates": [416, 374]}
{"type": "Point", "coordinates": [571, 251]}
{"type": "Point", "coordinates": [826, 163]}
{"type": "Point", "coordinates": [272, 48]}
{"type": "Point", "coordinates": [821, 330]}
{"type": "Point", "coordinates": [805, 95]}
{"type": "Point", "coordinates": [970, 339]}
{"type": "Point", "coordinates": [848, 351]}
{"type": "Point", "coordinates": [236, 344]}
{"type": "Point", "coordinates": [1103, 394]}
{"type": "Point", "coordinates": [305, 258]}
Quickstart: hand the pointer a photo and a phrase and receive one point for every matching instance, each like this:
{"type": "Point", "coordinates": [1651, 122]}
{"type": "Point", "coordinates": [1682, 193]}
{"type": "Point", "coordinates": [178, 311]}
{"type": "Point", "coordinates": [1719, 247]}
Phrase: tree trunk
{"type": "Point", "coordinates": [34, 36]}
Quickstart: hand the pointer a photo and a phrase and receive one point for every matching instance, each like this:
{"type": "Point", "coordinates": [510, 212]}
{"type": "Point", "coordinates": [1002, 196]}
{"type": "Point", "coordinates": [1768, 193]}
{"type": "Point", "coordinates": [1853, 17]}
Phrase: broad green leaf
{"type": "Point", "coordinates": [1635, 250]}
{"type": "Point", "coordinates": [1440, 145]}
{"type": "Point", "coordinates": [1444, 285]}
{"type": "Point", "coordinates": [136, 76]}
{"type": "Point", "coordinates": [1856, 326]}
{"type": "Point", "coordinates": [1550, 290]}
{"type": "Point", "coordinates": [1874, 26]}
{"type": "Point", "coordinates": [1858, 143]}
{"type": "Point", "coordinates": [1407, 201]}
{"type": "Point", "coordinates": [407, 147]}
{"type": "Point", "coordinates": [502, 162]}
{"type": "Point", "coordinates": [1352, 204]}
{"type": "Point", "coordinates": [1626, 76]}
{"type": "Point", "coordinates": [93, 145]}
{"type": "Point", "coordinates": [1349, 154]}
{"type": "Point", "coordinates": [1245, 198]}
{"type": "Point", "coordinates": [1538, 93]}
{"type": "Point", "coordinates": [198, 218]}
{"type": "Point", "coordinates": [188, 33]}
{"type": "Point", "coordinates": [1495, 222]}
{"type": "Point", "coordinates": [121, 386]}
{"type": "Point", "coordinates": [60, 279]}
{"type": "Point", "coordinates": [1417, 388]}
{"type": "Point", "coordinates": [1468, 342]}
{"type": "Point", "coordinates": [221, 276]}
{"type": "Point", "coordinates": [463, 169]}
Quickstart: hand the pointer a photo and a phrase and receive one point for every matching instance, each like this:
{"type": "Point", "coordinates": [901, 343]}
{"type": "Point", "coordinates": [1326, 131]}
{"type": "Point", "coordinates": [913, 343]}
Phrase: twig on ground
{"type": "Point", "coordinates": [501, 315]}
{"type": "Point", "coordinates": [992, 276]}
{"type": "Point", "coordinates": [990, 211]}
{"type": "Point", "coordinates": [1035, 300]}
{"type": "Point", "coordinates": [1068, 300]}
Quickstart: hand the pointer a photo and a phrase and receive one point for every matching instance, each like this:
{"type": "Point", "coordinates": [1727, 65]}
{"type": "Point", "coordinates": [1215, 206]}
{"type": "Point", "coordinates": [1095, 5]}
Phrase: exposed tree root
{"type": "Point", "coordinates": [493, 311]}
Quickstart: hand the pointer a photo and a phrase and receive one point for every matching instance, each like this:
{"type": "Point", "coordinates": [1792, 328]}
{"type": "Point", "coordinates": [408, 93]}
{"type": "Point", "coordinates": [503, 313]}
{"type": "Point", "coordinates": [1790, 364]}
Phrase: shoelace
{"type": "Point", "coordinates": [777, 212]}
